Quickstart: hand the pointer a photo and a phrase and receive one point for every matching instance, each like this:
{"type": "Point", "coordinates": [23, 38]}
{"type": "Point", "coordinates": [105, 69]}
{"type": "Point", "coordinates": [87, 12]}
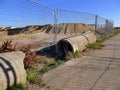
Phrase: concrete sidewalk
{"type": "Point", "coordinates": [100, 70]}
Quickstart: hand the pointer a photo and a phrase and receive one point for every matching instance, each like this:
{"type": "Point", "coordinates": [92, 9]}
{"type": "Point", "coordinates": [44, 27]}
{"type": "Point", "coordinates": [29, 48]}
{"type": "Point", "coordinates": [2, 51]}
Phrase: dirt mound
{"type": "Point", "coordinates": [65, 28]}
{"type": "Point", "coordinates": [73, 28]}
{"type": "Point", "coordinates": [30, 29]}
{"type": "Point", "coordinates": [1, 28]}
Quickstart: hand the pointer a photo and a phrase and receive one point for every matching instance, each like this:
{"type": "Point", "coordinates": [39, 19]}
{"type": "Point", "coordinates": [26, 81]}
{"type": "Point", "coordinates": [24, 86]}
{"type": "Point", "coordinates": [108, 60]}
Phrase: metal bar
{"type": "Point", "coordinates": [106, 30]}
{"type": "Point", "coordinates": [55, 25]}
{"type": "Point", "coordinates": [96, 22]}
{"type": "Point", "coordinates": [55, 29]}
{"type": "Point", "coordinates": [41, 4]}
{"type": "Point", "coordinates": [76, 12]}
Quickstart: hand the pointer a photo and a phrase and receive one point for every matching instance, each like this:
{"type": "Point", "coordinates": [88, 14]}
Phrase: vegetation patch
{"type": "Point", "coordinates": [71, 55]}
{"type": "Point", "coordinates": [33, 76]}
{"type": "Point", "coordinates": [48, 67]}
{"type": "Point", "coordinates": [96, 45]}
{"type": "Point", "coordinates": [116, 31]}
{"type": "Point", "coordinates": [17, 87]}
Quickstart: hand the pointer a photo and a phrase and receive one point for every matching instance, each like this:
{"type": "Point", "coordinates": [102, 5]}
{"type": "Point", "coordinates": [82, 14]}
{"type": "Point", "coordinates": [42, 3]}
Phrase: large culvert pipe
{"type": "Point", "coordinates": [74, 43]}
{"type": "Point", "coordinates": [11, 69]}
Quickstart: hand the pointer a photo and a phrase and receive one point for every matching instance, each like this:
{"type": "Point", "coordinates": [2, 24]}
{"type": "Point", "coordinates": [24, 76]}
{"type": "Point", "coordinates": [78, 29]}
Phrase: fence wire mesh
{"type": "Point", "coordinates": [28, 23]}
{"type": "Point", "coordinates": [41, 26]}
{"type": "Point", "coordinates": [74, 22]}
{"type": "Point", "coordinates": [104, 27]}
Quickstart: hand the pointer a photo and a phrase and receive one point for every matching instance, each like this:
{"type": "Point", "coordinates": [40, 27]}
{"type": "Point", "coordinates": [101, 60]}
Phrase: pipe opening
{"type": "Point", "coordinates": [63, 47]}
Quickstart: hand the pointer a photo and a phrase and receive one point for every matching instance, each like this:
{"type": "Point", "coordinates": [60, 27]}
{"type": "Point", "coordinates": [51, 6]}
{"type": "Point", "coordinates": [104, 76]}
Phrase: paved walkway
{"type": "Point", "coordinates": [100, 70]}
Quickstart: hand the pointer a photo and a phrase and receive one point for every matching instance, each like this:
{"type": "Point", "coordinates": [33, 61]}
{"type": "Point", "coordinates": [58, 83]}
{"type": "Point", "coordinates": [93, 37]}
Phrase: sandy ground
{"type": "Point", "coordinates": [36, 40]}
{"type": "Point", "coordinates": [42, 36]}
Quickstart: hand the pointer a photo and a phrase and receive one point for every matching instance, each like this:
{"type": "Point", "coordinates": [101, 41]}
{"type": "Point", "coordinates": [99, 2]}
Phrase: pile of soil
{"type": "Point", "coordinates": [65, 28]}
{"type": "Point", "coordinates": [39, 36]}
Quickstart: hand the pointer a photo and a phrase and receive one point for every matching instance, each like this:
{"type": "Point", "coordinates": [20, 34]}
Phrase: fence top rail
{"type": "Point", "coordinates": [77, 12]}
{"type": "Point", "coordinates": [41, 4]}
{"type": "Point", "coordinates": [73, 11]}
{"type": "Point", "coordinates": [102, 18]}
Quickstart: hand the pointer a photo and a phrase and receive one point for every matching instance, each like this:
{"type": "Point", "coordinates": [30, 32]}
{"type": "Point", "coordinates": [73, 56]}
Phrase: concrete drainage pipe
{"type": "Point", "coordinates": [74, 43]}
{"type": "Point", "coordinates": [11, 69]}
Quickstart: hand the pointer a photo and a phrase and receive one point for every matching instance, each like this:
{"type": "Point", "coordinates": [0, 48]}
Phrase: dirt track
{"type": "Point", "coordinates": [35, 40]}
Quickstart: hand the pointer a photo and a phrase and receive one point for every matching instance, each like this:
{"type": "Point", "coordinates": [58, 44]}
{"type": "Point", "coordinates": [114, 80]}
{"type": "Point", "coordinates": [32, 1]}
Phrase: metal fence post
{"type": "Point", "coordinates": [112, 26]}
{"type": "Point", "coordinates": [106, 29]}
{"type": "Point", "coordinates": [96, 22]}
{"type": "Point", "coordinates": [55, 28]}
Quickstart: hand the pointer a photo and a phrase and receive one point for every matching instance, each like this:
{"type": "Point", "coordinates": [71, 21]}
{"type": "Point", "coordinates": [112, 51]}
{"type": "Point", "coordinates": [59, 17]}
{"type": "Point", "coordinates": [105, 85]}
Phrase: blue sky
{"type": "Point", "coordinates": [24, 12]}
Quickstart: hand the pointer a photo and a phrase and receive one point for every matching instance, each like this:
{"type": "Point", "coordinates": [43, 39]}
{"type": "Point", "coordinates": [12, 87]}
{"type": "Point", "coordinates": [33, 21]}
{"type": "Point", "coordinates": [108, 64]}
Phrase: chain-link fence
{"type": "Point", "coordinates": [42, 26]}
{"type": "Point", "coordinates": [72, 23]}
{"type": "Point", "coordinates": [103, 27]}
{"type": "Point", "coordinates": [28, 23]}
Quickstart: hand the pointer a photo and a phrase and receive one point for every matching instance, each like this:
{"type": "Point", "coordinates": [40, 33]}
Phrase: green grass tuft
{"type": "Point", "coordinates": [33, 77]}
{"type": "Point", "coordinates": [50, 66]}
{"type": "Point", "coordinates": [17, 87]}
{"type": "Point", "coordinates": [71, 55]}
{"type": "Point", "coordinates": [116, 31]}
{"type": "Point", "coordinates": [94, 45]}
